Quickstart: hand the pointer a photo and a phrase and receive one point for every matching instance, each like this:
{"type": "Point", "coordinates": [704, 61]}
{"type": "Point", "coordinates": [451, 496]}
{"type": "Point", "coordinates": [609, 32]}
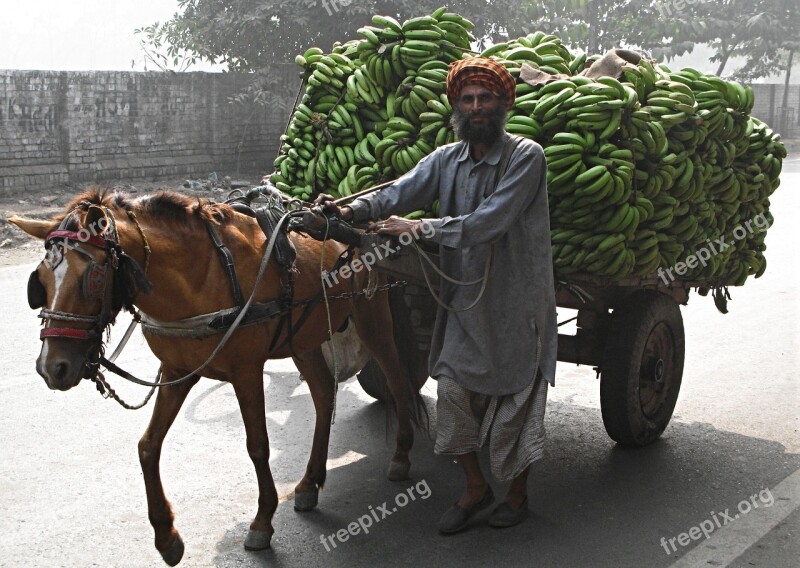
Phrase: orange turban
{"type": "Point", "coordinates": [481, 71]}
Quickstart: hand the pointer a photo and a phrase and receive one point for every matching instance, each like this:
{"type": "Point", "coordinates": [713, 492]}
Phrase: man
{"type": "Point", "coordinates": [493, 361]}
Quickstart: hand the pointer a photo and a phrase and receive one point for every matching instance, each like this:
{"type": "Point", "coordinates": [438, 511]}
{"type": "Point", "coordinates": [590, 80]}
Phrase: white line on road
{"type": "Point", "coordinates": [732, 540]}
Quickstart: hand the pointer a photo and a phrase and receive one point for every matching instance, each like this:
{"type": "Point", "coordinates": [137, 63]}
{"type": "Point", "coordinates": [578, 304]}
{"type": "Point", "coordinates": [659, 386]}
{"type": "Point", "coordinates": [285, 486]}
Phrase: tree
{"type": "Point", "coordinates": [246, 35]}
{"type": "Point", "coordinates": [764, 32]}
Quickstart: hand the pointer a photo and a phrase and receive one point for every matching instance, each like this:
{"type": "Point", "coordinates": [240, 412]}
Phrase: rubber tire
{"type": "Point", "coordinates": [373, 381]}
{"type": "Point", "coordinates": [625, 357]}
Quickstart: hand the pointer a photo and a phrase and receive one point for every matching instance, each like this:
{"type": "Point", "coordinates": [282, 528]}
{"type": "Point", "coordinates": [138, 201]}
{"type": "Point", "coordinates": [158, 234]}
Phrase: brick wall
{"type": "Point", "coordinates": [71, 127]}
{"type": "Point", "coordinates": [769, 108]}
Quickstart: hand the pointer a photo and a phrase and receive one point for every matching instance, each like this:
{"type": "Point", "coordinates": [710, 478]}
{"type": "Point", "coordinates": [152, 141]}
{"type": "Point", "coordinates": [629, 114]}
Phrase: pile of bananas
{"type": "Point", "coordinates": [373, 107]}
{"type": "Point", "coordinates": [644, 170]}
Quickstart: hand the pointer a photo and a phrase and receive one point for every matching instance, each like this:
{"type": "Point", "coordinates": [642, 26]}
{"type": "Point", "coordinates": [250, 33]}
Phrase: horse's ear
{"type": "Point", "coordinates": [96, 220]}
{"type": "Point", "coordinates": [34, 227]}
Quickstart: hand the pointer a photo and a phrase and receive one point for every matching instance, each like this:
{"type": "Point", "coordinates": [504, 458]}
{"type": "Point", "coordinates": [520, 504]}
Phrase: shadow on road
{"type": "Point", "coordinates": [593, 503]}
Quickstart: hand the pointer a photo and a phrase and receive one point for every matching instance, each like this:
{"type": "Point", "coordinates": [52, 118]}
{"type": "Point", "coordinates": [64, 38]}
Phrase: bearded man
{"type": "Point", "coordinates": [495, 357]}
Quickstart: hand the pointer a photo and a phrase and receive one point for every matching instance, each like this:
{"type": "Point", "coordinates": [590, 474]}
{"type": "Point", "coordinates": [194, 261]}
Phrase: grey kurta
{"type": "Point", "coordinates": [496, 347]}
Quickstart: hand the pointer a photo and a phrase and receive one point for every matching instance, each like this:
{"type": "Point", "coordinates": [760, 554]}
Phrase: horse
{"type": "Point", "coordinates": [108, 252]}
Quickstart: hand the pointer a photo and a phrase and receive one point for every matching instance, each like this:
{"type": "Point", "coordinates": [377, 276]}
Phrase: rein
{"type": "Point", "coordinates": [261, 271]}
{"type": "Point", "coordinates": [103, 283]}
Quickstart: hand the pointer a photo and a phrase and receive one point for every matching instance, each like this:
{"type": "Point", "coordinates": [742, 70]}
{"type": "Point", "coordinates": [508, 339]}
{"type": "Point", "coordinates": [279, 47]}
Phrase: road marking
{"type": "Point", "coordinates": [732, 540]}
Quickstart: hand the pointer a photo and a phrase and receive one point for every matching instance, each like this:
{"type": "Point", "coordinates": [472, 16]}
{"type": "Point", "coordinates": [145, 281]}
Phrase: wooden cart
{"type": "Point", "coordinates": [629, 330]}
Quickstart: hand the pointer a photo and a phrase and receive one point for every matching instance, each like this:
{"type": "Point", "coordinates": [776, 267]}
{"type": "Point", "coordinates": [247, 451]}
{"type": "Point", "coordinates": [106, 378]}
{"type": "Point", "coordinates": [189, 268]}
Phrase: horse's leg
{"type": "Point", "coordinates": [321, 384]}
{"type": "Point", "coordinates": [249, 389]}
{"type": "Point", "coordinates": [168, 403]}
{"type": "Point", "coordinates": [374, 325]}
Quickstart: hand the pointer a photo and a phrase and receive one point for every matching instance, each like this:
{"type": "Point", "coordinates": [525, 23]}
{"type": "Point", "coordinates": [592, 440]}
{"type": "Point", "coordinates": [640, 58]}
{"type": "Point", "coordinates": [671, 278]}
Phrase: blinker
{"type": "Point", "coordinates": [37, 297]}
{"type": "Point", "coordinates": [94, 281]}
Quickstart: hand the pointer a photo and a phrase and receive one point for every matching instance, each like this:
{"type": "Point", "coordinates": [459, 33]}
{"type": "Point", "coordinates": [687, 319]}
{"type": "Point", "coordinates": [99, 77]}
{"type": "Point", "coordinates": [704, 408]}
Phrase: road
{"type": "Point", "coordinates": [71, 492]}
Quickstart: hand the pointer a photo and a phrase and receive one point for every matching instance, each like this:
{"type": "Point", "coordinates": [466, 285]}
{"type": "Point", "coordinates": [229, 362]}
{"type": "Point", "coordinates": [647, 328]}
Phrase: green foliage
{"type": "Point", "coordinates": [245, 35]}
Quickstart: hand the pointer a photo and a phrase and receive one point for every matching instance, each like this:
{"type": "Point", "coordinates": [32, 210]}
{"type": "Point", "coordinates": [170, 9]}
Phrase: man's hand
{"type": "Point", "coordinates": [326, 203]}
{"type": "Point", "coordinates": [395, 226]}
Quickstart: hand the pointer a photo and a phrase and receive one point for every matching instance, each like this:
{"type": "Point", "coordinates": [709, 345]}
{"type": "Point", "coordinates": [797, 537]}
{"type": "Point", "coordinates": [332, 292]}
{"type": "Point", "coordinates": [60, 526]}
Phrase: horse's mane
{"type": "Point", "coordinates": [165, 204]}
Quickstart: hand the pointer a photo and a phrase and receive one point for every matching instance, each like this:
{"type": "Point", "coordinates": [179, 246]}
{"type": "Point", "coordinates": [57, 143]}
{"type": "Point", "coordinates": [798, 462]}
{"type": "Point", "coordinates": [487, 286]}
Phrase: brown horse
{"type": "Point", "coordinates": [92, 270]}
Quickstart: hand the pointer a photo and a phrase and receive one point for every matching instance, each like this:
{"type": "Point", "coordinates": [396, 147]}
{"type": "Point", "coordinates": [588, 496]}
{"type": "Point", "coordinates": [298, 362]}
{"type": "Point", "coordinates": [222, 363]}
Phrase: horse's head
{"type": "Point", "coordinates": [80, 286]}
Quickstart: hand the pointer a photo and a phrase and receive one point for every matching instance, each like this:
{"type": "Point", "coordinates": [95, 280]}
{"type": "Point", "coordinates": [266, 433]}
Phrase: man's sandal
{"type": "Point", "coordinates": [456, 518]}
{"type": "Point", "coordinates": [504, 516]}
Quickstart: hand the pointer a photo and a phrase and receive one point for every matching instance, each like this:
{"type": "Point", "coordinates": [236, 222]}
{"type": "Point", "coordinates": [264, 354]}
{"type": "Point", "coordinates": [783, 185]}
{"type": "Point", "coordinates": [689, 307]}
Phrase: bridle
{"type": "Point", "coordinates": [101, 282]}
{"type": "Point", "coordinates": [117, 281]}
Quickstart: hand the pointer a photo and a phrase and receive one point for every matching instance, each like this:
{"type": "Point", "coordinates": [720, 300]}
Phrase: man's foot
{"type": "Point", "coordinates": [456, 518]}
{"type": "Point", "coordinates": [505, 515]}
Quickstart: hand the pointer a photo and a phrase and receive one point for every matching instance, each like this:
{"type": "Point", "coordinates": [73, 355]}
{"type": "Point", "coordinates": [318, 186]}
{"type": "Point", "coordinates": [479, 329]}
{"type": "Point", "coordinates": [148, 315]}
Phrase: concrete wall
{"type": "Point", "coordinates": [71, 127]}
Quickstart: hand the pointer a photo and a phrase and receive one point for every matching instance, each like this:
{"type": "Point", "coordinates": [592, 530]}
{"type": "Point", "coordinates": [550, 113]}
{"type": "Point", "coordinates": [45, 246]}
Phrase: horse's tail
{"type": "Point", "coordinates": [414, 361]}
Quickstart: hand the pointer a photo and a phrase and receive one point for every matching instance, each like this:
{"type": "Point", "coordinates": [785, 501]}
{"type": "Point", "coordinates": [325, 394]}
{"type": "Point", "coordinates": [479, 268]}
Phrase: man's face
{"type": "Point", "coordinates": [479, 115]}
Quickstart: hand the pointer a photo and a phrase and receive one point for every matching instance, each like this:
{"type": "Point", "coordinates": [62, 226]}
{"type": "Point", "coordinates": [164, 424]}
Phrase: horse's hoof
{"type": "Point", "coordinates": [306, 501]}
{"type": "Point", "coordinates": [174, 553]}
{"type": "Point", "coordinates": [257, 540]}
{"type": "Point", "coordinates": [398, 471]}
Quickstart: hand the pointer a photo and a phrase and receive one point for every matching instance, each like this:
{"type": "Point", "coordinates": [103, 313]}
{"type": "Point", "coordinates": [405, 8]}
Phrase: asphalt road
{"type": "Point", "coordinates": [71, 492]}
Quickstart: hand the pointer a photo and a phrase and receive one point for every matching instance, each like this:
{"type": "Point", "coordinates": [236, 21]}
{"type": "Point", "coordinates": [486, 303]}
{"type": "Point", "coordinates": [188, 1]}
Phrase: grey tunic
{"type": "Point", "coordinates": [493, 347]}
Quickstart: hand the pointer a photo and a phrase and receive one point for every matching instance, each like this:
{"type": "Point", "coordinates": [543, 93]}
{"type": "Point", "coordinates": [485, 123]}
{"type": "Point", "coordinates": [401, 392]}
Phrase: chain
{"type": "Point", "coordinates": [364, 292]}
{"type": "Point", "coordinates": [105, 389]}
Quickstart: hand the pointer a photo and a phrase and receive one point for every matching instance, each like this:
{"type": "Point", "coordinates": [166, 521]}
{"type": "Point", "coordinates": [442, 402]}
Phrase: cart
{"type": "Point", "coordinates": [629, 330]}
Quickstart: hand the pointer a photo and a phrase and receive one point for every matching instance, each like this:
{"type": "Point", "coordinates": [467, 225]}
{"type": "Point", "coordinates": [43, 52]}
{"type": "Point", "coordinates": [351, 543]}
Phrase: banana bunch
{"type": "Point", "coordinates": [644, 170]}
{"type": "Point", "coordinates": [591, 179]}
{"type": "Point", "coordinates": [420, 93]}
{"type": "Point", "coordinates": [392, 49]}
{"type": "Point", "coordinates": [716, 162]}
{"type": "Point", "coordinates": [543, 51]}
{"type": "Point", "coordinates": [402, 146]}
{"type": "Point", "coordinates": [601, 254]}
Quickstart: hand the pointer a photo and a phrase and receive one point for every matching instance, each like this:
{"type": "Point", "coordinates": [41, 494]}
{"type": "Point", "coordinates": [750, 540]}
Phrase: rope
{"type": "Point", "coordinates": [294, 106]}
{"type": "Point", "coordinates": [145, 242]}
{"type": "Point", "coordinates": [422, 254]}
{"type": "Point", "coordinates": [328, 315]}
{"type": "Point", "coordinates": [576, 291]}
{"type": "Point", "coordinates": [484, 279]}
{"type": "Point", "coordinates": [44, 313]}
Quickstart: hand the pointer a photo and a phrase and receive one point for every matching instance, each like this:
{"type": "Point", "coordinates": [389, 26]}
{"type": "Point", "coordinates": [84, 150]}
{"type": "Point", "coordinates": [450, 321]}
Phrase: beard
{"type": "Point", "coordinates": [487, 133]}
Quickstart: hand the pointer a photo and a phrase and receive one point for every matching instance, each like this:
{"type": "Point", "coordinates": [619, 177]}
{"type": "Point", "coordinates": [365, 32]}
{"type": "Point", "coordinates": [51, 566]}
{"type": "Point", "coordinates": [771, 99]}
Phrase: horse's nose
{"type": "Point", "coordinates": [60, 370]}
{"type": "Point", "coordinates": [58, 375]}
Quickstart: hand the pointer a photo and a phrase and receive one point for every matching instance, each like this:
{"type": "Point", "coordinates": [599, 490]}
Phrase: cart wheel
{"type": "Point", "coordinates": [373, 381]}
{"type": "Point", "coordinates": [642, 368]}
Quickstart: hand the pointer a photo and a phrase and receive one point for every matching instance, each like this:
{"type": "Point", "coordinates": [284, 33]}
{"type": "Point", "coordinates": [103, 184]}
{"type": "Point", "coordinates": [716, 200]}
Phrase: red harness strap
{"type": "Point", "coordinates": [66, 332]}
{"type": "Point", "coordinates": [83, 236]}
